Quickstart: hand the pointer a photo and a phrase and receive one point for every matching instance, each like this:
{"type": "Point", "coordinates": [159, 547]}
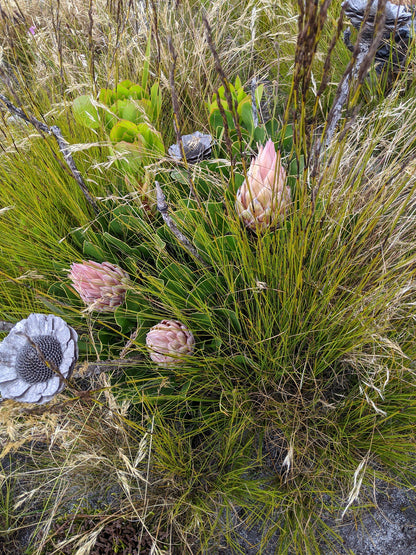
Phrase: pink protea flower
{"type": "Point", "coordinates": [102, 286]}
{"type": "Point", "coordinates": [168, 342]}
{"type": "Point", "coordinates": [263, 197]}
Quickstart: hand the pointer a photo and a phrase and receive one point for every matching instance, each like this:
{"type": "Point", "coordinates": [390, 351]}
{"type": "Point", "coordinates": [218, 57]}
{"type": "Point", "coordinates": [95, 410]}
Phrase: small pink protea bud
{"type": "Point", "coordinates": [263, 197]}
{"type": "Point", "coordinates": [169, 341]}
{"type": "Point", "coordinates": [101, 286]}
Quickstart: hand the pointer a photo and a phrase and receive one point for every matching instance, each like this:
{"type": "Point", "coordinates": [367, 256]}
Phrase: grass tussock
{"type": "Point", "coordinates": [298, 396]}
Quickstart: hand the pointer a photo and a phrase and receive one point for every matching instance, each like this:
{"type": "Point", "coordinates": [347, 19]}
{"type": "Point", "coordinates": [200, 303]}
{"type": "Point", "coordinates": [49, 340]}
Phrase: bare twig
{"type": "Point", "coordinates": [163, 208]}
{"type": "Point", "coordinates": [363, 53]}
{"type": "Point", "coordinates": [81, 371]}
{"type": "Point", "coordinates": [85, 370]}
{"type": "Point", "coordinates": [326, 73]}
{"type": "Point", "coordinates": [56, 24]}
{"type": "Point", "coordinates": [175, 103]}
{"type": "Point", "coordinates": [253, 102]}
{"type": "Point", "coordinates": [21, 114]}
{"type": "Point", "coordinates": [129, 343]}
{"type": "Point", "coordinates": [63, 147]}
{"type": "Point", "coordinates": [155, 29]}
{"type": "Point", "coordinates": [227, 92]}
{"type": "Point", "coordinates": [62, 144]}
{"type": "Point", "coordinates": [91, 43]}
{"type": "Point", "coordinates": [311, 21]}
{"type": "Point", "coordinates": [227, 137]}
{"type": "Point", "coordinates": [221, 73]}
{"type": "Point", "coordinates": [231, 105]}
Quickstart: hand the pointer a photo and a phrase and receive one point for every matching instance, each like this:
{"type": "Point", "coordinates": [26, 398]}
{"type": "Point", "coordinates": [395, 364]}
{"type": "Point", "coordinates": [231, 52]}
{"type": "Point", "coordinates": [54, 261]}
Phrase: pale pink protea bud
{"type": "Point", "coordinates": [169, 341]}
{"type": "Point", "coordinates": [101, 286]}
{"type": "Point", "coordinates": [263, 197]}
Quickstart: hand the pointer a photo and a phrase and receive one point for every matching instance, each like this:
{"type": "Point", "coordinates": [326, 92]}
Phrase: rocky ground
{"type": "Point", "coordinates": [387, 529]}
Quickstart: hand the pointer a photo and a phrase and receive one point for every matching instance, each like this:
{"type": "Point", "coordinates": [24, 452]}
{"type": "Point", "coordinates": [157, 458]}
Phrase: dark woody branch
{"type": "Point", "coordinates": [62, 145]}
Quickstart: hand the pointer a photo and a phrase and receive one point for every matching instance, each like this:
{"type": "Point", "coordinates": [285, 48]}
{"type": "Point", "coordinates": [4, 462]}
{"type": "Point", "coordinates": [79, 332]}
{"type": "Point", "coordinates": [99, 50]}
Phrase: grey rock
{"type": "Point", "coordinates": [387, 528]}
{"type": "Point", "coordinates": [399, 28]}
{"type": "Point", "coordinates": [397, 17]}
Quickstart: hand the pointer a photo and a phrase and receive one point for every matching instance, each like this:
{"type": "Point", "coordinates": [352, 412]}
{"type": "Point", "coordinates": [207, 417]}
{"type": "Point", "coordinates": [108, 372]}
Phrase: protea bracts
{"type": "Point", "coordinates": [169, 342]}
{"type": "Point", "coordinates": [263, 198]}
{"type": "Point", "coordinates": [102, 286]}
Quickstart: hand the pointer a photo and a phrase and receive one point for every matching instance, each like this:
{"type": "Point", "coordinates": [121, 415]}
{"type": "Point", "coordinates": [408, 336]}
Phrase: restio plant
{"type": "Point", "coordinates": [258, 327]}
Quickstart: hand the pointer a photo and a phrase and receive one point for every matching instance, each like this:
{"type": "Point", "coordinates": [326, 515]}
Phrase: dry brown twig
{"type": "Point", "coordinates": [176, 121]}
{"type": "Point", "coordinates": [163, 208]}
{"type": "Point", "coordinates": [56, 132]}
{"type": "Point", "coordinates": [363, 55]}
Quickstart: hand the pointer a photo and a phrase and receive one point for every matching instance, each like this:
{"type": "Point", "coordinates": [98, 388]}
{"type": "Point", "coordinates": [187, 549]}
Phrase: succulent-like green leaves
{"type": "Point", "coordinates": [129, 114]}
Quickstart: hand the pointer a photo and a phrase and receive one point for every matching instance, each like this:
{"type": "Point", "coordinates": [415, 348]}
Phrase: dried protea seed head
{"type": "Point", "coordinates": [169, 342]}
{"type": "Point", "coordinates": [102, 286]}
{"type": "Point", "coordinates": [36, 361]}
{"type": "Point", "coordinates": [263, 197]}
{"type": "Point", "coordinates": [36, 358]}
{"type": "Point", "coordinates": [196, 146]}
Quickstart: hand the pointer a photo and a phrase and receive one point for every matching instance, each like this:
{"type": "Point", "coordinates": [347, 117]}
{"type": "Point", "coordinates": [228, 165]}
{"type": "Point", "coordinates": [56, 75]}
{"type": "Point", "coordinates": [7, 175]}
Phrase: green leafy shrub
{"type": "Point", "coordinates": [240, 112]}
{"type": "Point", "coordinates": [128, 114]}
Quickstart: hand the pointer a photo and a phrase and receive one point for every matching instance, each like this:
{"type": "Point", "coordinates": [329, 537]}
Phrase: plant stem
{"type": "Point", "coordinates": [163, 208]}
{"type": "Point", "coordinates": [62, 144]}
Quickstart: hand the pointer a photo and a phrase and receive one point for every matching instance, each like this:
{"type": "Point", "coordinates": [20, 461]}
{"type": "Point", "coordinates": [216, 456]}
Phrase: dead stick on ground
{"type": "Point", "coordinates": [62, 144]}
{"type": "Point", "coordinates": [85, 370]}
{"type": "Point", "coordinates": [163, 208]}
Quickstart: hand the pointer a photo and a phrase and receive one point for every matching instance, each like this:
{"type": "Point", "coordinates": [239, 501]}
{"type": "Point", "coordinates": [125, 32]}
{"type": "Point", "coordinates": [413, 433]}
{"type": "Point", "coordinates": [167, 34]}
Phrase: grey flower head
{"type": "Point", "coordinates": [33, 355]}
{"type": "Point", "coordinates": [196, 146]}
